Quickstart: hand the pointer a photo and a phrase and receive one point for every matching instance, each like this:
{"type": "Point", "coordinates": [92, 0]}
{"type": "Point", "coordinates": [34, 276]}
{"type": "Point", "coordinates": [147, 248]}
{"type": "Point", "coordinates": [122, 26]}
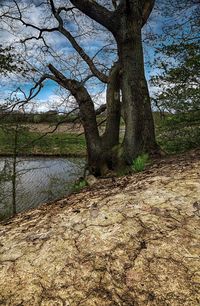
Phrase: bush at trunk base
{"type": "Point", "coordinates": [79, 185]}
{"type": "Point", "coordinates": [140, 162]}
{"type": "Point", "coordinates": [179, 132]}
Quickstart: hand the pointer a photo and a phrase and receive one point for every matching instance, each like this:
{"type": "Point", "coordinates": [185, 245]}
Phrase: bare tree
{"type": "Point", "coordinates": [125, 81]}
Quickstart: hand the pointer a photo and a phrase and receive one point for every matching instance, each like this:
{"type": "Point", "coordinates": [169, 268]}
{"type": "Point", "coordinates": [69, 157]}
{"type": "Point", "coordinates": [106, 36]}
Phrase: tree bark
{"type": "Point", "coordinates": [139, 133]}
{"type": "Point", "coordinates": [111, 135]}
{"type": "Point", "coordinates": [14, 170]}
{"type": "Point", "coordinates": [110, 138]}
{"type": "Point", "coordinates": [88, 119]}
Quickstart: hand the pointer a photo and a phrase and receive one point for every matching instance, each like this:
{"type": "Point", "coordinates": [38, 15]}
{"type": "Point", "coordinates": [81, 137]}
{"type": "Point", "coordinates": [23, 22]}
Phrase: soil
{"type": "Point", "coordinates": [124, 241]}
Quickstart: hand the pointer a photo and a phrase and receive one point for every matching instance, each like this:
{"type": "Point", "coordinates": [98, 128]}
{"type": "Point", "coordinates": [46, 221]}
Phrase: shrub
{"type": "Point", "coordinates": [179, 132]}
{"type": "Point", "coordinates": [80, 184]}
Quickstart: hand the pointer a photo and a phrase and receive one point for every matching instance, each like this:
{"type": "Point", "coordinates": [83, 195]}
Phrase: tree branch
{"type": "Point", "coordinates": [34, 91]}
{"type": "Point", "coordinates": [20, 18]}
{"type": "Point", "coordinates": [86, 106]}
{"type": "Point", "coordinates": [147, 9]}
{"type": "Point", "coordinates": [101, 76]}
{"type": "Point", "coordinates": [69, 84]}
{"type": "Point", "coordinates": [98, 111]}
{"type": "Point", "coordinates": [97, 12]}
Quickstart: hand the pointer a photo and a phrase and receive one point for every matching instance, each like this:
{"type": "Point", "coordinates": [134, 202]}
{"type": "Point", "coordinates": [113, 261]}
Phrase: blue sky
{"type": "Point", "coordinates": [50, 91]}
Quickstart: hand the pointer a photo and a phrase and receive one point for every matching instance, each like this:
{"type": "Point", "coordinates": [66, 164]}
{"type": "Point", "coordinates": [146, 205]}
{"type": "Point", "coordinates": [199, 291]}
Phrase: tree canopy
{"type": "Point", "coordinates": [7, 63]}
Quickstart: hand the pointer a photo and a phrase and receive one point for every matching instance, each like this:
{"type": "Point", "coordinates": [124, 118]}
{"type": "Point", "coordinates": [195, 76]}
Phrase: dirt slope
{"type": "Point", "coordinates": [129, 241]}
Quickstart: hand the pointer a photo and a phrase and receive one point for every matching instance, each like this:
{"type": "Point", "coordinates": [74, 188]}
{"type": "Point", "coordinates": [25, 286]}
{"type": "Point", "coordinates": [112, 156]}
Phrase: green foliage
{"type": "Point", "coordinates": [140, 162]}
{"type": "Point", "coordinates": [79, 185]}
{"type": "Point", "coordinates": [179, 100]}
{"type": "Point", "coordinates": [177, 133]}
{"type": "Point", "coordinates": [10, 61]}
{"type": "Point", "coordinates": [179, 79]}
{"type": "Point", "coordinates": [6, 61]}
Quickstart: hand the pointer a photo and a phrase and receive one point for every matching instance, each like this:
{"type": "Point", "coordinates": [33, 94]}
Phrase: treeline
{"type": "Point", "coordinates": [47, 117]}
{"type": "Point", "coordinates": [178, 132]}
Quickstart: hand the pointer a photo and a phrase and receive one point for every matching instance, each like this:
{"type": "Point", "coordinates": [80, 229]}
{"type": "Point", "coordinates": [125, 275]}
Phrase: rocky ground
{"type": "Point", "coordinates": [127, 241]}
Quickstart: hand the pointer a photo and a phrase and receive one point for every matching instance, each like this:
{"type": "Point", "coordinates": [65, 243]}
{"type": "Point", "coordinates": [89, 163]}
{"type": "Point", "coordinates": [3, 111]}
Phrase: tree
{"type": "Point", "coordinates": [180, 80]}
{"type": "Point", "coordinates": [126, 83]}
{"type": "Point", "coordinates": [180, 97]}
{"type": "Point", "coordinates": [8, 61]}
{"type": "Point", "coordinates": [5, 60]}
{"type": "Point", "coordinates": [178, 59]}
{"type": "Point", "coordinates": [9, 174]}
{"type": "Point", "coordinates": [177, 80]}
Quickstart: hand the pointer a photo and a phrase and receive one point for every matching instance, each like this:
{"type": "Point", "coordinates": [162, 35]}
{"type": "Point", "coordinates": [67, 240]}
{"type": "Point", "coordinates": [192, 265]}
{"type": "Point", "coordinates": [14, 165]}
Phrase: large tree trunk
{"type": "Point", "coordinates": [139, 133]}
{"type": "Point", "coordinates": [101, 153]}
{"type": "Point", "coordinates": [93, 141]}
{"type": "Point", "coordinates": [88, 119]}
{"type": "Point", "coordinates": [99, 149]}
{"type": "Point", "coordinates": [150, 144]}
{"type": "Point", "coordinates": [110, 138]}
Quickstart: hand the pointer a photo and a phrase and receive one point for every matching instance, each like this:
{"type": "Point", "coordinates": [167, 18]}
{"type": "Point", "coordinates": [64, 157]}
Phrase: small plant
{"type": "Point", "coordinates": [80, 184]}
{"type": "Point", "coordinates": [140, 162]}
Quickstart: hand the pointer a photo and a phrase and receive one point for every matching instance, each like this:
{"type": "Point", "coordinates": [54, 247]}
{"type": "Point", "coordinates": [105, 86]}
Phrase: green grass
{"type": "Point", "coordinates": [79, 185]}
{"type": "Point", "coordinates": [174, 133]}
{"type": "Point", "coordinates": [36, 143]}
{"type": "Point", "coordinates": [140, 162]}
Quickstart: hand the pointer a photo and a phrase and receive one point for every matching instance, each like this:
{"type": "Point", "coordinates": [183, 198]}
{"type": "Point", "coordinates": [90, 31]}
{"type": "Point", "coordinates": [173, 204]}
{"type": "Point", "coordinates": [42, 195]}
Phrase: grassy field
{"type": "Point", "coordinates": [28, 143]}
{"type": "Point", "coordinates": [175, 134]}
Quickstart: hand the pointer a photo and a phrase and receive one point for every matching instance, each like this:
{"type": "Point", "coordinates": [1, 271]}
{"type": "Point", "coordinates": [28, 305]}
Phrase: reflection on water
{"type": "Point", "coordinates": [38, 180]}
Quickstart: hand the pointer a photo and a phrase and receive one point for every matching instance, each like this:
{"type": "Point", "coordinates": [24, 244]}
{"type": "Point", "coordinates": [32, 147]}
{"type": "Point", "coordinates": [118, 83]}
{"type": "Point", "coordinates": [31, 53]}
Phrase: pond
{"type": "Point", "coordinates": [38, 180]}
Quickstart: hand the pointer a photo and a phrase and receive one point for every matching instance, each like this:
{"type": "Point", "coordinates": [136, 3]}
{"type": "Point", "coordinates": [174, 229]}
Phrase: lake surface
{"type": "Point", "coordinates": [38, 180]}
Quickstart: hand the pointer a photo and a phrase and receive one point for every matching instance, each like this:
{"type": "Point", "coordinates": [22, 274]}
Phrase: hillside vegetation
{"type": "Point", "coordinates": [175, 133]}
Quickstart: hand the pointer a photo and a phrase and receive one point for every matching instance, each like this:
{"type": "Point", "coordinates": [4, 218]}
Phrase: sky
{"type": "Point", "coordinates": [66, 58]}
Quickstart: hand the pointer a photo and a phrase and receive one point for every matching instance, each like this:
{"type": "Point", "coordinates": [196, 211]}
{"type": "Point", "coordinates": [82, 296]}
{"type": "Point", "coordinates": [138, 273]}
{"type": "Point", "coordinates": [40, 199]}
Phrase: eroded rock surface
{"type": "Point", "coordinates": [129, 241]}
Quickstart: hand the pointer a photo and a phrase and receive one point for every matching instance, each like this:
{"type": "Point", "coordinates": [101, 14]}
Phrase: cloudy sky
{"type": "Point", "coordinates": [90, 36]}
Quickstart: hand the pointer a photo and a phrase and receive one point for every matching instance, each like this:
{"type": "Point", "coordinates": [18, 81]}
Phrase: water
{"type": "Point", "coordinates": [39, 180]}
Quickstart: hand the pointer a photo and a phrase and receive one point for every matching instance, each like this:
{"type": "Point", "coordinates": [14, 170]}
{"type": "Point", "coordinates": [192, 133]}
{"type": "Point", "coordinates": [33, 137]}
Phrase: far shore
{"type": "Point", "coordinates": [44, 155]}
